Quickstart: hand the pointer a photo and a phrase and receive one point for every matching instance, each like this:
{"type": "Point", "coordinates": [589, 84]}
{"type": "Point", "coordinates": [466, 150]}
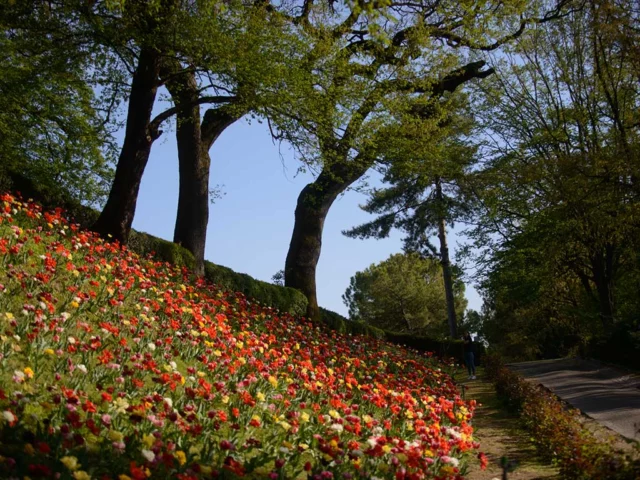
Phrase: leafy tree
{"type": "Point", "coordinates": [404, 293]}
{"type": "Point", "coordinates": [54, 129]}
{"type": "Point", "coordinates": [386, 61]}
{"type": "Point", "coordinates": [533, 308]}
{"type": "Point", "coordinates": [234, 56]}
{"type": "Point", "coordinates": [261, 50]}
{"type": "Point", "coordinates": [423, 196]}
{"type": "Point", "coordinates": [617, 24]}
{"type": "Point", "coordinates": [146, 36]}
{"type": "Point", "coordinates": [472, 322]}
{"type": "Point", "coordinates": [127, 49]}
{"type": "Point", "coordinates": [558, 193]}
{"type": "Point", "coordinates": [278, 278]}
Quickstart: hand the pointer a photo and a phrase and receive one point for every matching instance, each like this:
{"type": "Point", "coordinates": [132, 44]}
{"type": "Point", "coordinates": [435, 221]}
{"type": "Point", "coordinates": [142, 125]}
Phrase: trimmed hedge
{"type": "Point", "coordinates": [341, 324]}
{"type": "Point", "coordinates": [283, 298]}
{"type": "Point", "coordinates": [442, 348]}
{"type": "Point", "coordinates": [145, 244]}
{"type": "Point", "coordinates": [557, 430]}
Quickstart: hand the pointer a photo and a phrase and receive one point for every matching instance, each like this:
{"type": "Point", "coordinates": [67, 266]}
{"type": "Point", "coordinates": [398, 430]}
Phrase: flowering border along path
{"type": "Point", "coordinates": [120, 367]}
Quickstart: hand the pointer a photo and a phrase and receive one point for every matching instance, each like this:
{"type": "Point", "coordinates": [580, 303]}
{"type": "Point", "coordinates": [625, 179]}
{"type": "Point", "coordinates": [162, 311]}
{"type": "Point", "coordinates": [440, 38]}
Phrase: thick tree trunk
{"type": "Point", "coordinates": [194, 141]}
{"type": "Point", "coordinates": [306, 241]}
{"type": "Point", "coordinates": [193, 164]}
{"type": "Point", "coordinates": [193, 203]}
{"type": "Point", "coordinates": [193, 160]}
{"type": "Point", "coordinates": [446, 263]}
{"type": "Point", "coordinates": [117, 216]}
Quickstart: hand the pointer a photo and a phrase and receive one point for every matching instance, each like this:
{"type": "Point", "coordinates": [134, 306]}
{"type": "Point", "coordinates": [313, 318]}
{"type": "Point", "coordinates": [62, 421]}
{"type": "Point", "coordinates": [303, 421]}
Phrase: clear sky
{"type": "Point", "coordinates": [250, 226]}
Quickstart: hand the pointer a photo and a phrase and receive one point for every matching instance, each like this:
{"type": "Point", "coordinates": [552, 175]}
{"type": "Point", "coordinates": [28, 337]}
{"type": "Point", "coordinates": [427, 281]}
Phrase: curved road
{"type": "Point", "coordinates": [606, 394]}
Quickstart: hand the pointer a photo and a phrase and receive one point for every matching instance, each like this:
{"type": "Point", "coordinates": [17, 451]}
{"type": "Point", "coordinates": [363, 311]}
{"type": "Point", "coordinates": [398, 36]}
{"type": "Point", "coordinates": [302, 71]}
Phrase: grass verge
{"type": "Point", "coordinates": [502, 437]}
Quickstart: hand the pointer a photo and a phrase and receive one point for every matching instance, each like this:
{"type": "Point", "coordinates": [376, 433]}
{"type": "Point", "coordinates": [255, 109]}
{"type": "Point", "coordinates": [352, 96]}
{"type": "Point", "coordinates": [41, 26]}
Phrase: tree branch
{"type": "Point", "coordinates": [160, 118]}
{"type": "Point", "coordinates": [457, 41]}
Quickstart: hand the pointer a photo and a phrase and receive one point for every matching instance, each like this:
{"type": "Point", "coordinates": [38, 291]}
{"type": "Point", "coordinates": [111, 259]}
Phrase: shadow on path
{"type": "Point", "coordinates": [500, 436]}
{"type": "Point", "coordinates": [609, 396]}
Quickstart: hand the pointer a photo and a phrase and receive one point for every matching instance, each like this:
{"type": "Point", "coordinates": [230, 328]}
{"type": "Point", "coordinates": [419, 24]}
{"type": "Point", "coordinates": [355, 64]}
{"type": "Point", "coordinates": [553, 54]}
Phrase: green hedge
{"type": "Point", "coordinates": [340, 324]}
{"type": "Point", "coordinates": [145, 244]}
{"type": "Point", "coordinates": [442, 348]}
{"type": "Point", "coordinates": [283, 298]}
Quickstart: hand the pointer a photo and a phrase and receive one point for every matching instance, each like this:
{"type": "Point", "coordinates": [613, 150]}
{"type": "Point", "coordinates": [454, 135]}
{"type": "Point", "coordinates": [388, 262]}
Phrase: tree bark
{"type": "Point", "coordinates": [446, 263]}
{"type": "Point", "coordinates": [117, 215]}
{"type": "Point", "coordinates": [195, 162]}
{"type": "Point", "coordinates": [306, 241]}
{"type": "Point", "coordinates": [194, 141]}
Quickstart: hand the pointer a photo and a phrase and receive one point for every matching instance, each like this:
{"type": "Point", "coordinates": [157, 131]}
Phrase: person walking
{"type": "Point", "coordinates": [469, 355]}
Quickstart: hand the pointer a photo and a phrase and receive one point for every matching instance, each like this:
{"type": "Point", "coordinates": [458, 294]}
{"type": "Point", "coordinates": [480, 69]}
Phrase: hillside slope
{"type": "Point", "coordinates": [116, 366]}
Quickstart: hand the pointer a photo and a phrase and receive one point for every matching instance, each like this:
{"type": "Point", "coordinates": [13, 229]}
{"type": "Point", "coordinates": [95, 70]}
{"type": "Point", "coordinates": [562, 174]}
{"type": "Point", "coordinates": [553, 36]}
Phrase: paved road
{"type": "Point", "coordinates": [607, 395]}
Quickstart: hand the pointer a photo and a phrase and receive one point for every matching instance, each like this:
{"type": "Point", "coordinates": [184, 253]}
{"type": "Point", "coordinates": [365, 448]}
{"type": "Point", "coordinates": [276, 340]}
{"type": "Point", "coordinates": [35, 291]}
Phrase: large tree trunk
{"type": "Point", "coordinates": [306, 241]}
{"type": "Point", "coordinates": [194, 141]}
{"type": "Point", "coordinates": [193, 202]}
{"type": "Point", "coordinates": [193, 163]}
{"type": "Point", "coordinates": [117, 216]}
{"type": "Point", "coordinates": [446, 263]}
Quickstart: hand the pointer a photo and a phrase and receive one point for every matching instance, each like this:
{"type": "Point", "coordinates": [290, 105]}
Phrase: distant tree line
{"type": "Point", "coordinates": [541, 169]}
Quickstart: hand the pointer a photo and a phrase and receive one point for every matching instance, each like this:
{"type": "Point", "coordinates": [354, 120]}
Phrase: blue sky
{"type": "Point", "coordinates": [250, 226]}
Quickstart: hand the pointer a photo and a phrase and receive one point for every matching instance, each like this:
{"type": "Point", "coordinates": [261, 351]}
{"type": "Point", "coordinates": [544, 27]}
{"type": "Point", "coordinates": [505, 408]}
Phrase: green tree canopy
{"type": "Point", "coordinates": [408, 199]}
{"type": "Point", "coordinates": [376, 65]}
{"type": "Point", "coordinates": [404, 294]}
{"type": "Point", "coordinates": [54, 128]}
{"type": "Point", "coordinates": [559, 190]}
{"type": "Point", "coordinates": [422, 195]}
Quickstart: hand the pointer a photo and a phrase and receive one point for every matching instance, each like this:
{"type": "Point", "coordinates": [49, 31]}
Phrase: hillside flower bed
{"type": "Point", "coordinates": [115, 366]}
{"type": "Point", "coordinates": [557, 430]}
